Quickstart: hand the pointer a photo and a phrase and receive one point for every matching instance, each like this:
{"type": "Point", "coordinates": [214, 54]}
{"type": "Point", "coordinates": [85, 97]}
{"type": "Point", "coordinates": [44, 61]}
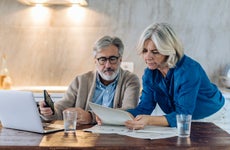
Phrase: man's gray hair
{"type": "Point", "coordinates": [107, 41]}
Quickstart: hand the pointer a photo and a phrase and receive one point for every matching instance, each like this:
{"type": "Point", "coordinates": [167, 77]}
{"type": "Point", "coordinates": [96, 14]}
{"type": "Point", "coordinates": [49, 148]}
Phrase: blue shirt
{"type": "Point", "coordinates": [185, 89]}
{"type": "Point", "coordinates": [104, 95]}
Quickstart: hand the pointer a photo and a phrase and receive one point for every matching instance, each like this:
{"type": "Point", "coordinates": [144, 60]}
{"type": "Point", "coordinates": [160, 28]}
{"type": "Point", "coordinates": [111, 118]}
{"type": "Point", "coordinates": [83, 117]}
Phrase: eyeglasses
{"type": "Point", "coordinates": [112, 60]}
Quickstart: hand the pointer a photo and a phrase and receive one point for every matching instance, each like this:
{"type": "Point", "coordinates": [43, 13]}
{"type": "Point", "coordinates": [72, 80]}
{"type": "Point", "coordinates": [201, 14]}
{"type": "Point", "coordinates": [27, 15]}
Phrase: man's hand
{"type": "Point", "coordinates": [45, 111]}
{"type": "Point", "coordinates": [83, 117]}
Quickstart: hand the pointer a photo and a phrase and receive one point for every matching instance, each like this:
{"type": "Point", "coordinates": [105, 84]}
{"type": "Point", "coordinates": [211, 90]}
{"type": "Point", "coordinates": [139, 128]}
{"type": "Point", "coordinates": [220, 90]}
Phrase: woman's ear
{"type": "Point", "coordinates": [120, 59]}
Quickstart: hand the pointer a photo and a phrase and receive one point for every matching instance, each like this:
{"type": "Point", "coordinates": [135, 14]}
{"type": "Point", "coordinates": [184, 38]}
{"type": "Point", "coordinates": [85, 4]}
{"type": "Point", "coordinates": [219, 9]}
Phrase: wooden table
{"type": "Point", "coordinates": [203, 136]}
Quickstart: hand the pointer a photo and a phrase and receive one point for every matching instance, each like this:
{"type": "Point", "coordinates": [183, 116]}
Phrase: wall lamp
{"type": "Point", "coordinates": [55, 2]}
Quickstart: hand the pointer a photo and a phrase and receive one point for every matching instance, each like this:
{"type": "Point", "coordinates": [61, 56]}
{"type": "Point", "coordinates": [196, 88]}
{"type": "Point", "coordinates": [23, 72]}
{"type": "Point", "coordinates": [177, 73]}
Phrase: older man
{"type": "Point", "coordinates": [109, 85]}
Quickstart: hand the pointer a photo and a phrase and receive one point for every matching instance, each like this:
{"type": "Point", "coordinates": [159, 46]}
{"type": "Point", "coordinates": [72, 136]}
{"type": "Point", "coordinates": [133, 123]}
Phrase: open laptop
{"type": "Point", "coordinates": [18, 110]}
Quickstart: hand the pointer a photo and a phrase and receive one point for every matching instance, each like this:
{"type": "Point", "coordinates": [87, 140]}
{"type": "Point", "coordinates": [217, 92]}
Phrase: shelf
{"type": "Point", "coordinates": [39, 89]}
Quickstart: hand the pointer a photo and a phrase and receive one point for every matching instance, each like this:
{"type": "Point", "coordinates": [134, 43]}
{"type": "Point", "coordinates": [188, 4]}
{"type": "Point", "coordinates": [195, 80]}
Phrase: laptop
{"type": "Point", "coordinates": [19, 110]}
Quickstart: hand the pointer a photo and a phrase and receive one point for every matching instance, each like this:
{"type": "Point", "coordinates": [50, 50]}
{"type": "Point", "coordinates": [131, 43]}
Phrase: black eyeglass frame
{"type": "Point", "coordinates": [111, 59]}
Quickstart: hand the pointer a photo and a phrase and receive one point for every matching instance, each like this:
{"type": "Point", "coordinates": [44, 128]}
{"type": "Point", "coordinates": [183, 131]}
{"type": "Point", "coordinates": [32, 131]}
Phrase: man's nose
{"type": "Point", "coordinates": [107, 63]}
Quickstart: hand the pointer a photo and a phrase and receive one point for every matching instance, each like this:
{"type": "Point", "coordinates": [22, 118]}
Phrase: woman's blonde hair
{"type": "Point", "coordinates": [166, 41]}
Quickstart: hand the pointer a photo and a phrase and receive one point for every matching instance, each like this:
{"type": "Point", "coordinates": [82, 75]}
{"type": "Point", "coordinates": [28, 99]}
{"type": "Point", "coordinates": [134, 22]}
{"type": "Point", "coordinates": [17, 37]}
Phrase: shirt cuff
{"type": "Point", "coordinates": [93, 116]}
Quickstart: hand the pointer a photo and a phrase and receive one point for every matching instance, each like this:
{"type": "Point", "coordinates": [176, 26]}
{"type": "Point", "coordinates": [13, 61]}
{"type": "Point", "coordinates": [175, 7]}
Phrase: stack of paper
{"type": "Point", "coordinates": [113, 122]}
{"type": "Point", "coordinates": [149, 132]}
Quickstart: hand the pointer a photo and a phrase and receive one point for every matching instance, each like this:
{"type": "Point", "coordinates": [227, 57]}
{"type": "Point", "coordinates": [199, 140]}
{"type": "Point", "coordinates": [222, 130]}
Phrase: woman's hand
{"type": "Point", "coordinates": [138, 123]}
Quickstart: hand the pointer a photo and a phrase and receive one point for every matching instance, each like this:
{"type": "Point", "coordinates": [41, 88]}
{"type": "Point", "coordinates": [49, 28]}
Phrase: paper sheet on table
{"type": "Point", "coordinates": [149, 132]}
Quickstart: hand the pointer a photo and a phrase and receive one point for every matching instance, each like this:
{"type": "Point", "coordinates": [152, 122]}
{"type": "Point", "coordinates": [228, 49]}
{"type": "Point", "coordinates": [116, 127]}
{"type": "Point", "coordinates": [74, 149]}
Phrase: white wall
{"type": "Point", "coordinates": [51, 46]}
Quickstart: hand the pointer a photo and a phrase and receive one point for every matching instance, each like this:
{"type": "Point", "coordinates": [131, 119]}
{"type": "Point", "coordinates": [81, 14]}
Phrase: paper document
{"type": "Point", "coordinates": [149, 132]}
{"type": "Point", "coordinates": [109, 115]}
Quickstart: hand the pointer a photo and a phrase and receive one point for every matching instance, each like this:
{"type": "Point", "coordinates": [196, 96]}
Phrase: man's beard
{"type": "Point", "coordinates": [109, 77]}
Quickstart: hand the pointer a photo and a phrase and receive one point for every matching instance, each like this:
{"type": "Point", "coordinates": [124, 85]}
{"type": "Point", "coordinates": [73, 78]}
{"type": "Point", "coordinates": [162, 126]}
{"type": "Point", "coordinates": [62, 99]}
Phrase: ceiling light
{"type": "Point", "coordinates": [54, 2]}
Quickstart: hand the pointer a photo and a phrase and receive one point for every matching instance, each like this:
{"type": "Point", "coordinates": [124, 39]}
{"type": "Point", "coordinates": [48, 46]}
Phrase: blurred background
{"type": "Point", "coordinates": [50, 45]}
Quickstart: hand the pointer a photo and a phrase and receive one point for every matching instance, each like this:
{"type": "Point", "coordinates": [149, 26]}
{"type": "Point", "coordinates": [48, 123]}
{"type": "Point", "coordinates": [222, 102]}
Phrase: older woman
{"type": "Point", "coordinates": [174, 81]}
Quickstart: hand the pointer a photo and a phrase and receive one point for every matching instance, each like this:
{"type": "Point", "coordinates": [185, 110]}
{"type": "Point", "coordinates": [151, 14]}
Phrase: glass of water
{"type": "Point", "coordinates": [184, 124]}
{"type": "Point", "coordinates": [70, 121]}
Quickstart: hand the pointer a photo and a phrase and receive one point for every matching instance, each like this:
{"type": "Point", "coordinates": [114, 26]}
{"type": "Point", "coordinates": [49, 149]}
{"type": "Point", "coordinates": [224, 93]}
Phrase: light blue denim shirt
{"type": "Point", "coordinates": [186, 89]}
{"type": "Point", "coordinates": [104, 95]}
